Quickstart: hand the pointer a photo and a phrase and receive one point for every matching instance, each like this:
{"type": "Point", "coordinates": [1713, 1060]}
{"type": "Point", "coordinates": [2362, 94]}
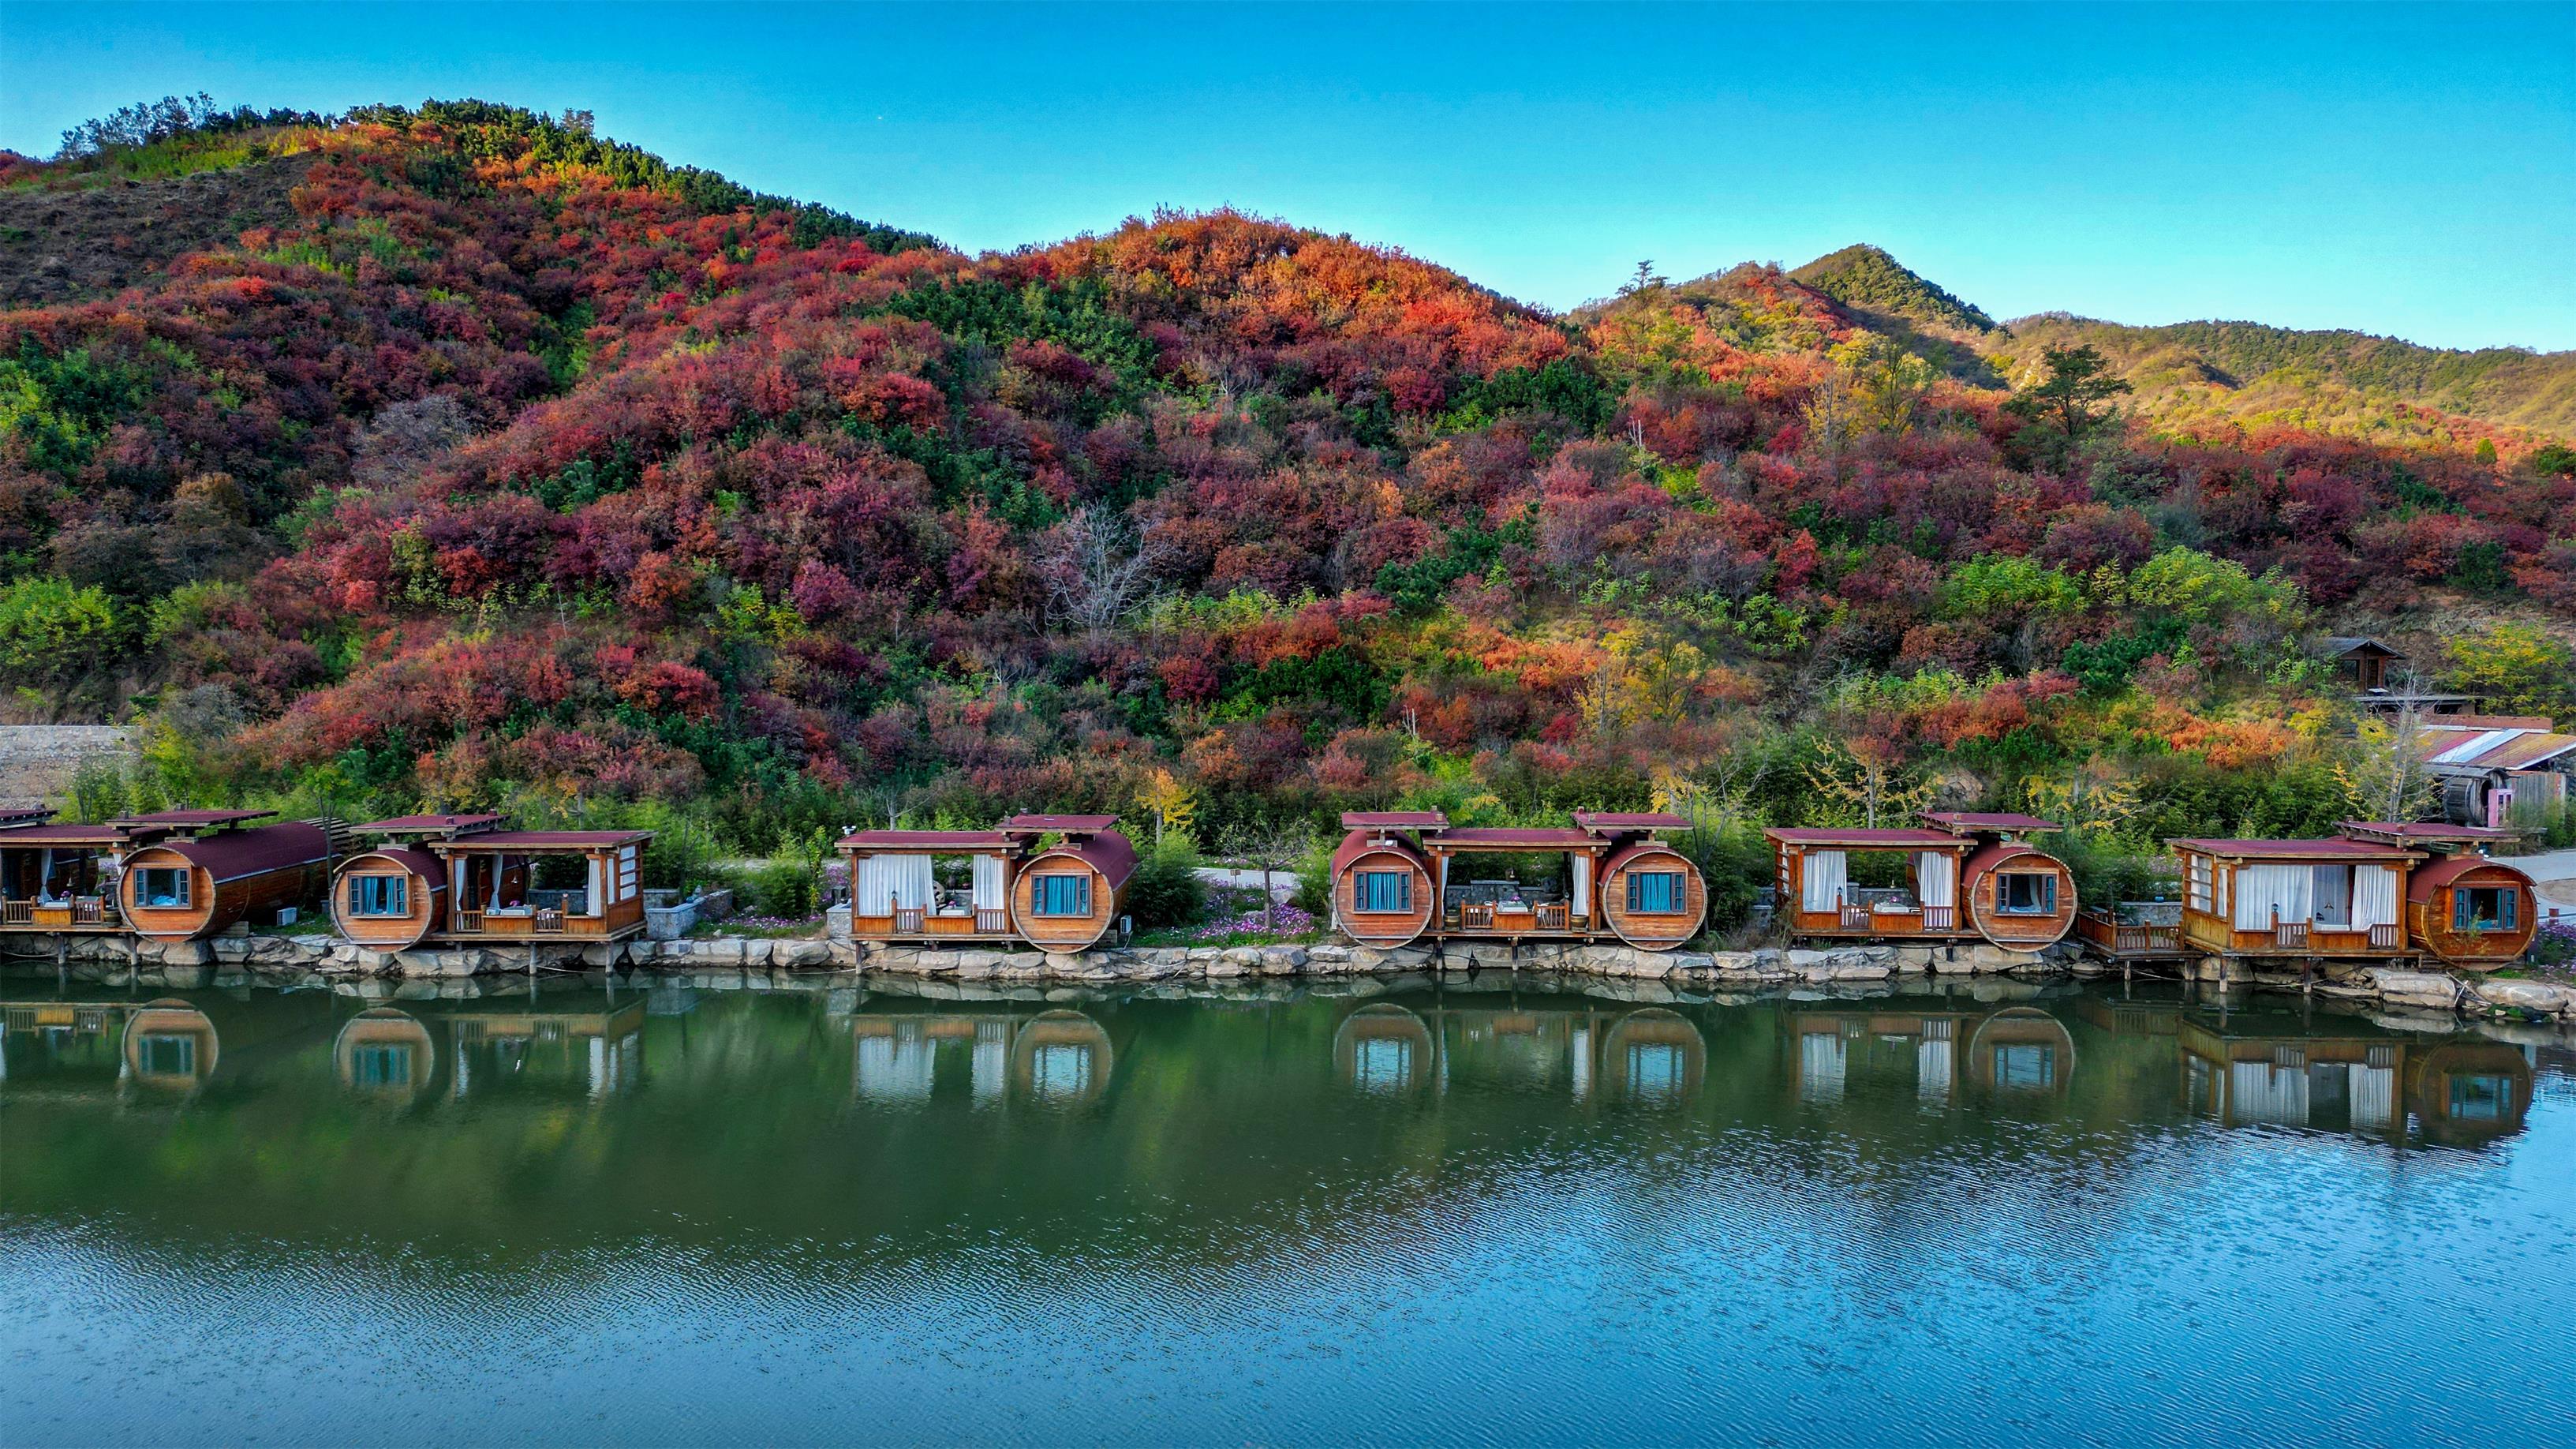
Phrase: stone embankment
{"type": "Point", "coordinates": [1862, 967]}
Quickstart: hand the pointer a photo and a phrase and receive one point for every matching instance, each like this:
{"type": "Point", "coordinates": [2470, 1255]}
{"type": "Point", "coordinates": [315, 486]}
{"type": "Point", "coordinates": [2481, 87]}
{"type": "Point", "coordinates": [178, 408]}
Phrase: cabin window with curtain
{"type": "Point", "coordinates": [2026, 894]}
{"type": "Point", "coordinates": [1384, 890]}
{"type": "Point", "coordinates": [379, 895]}
{"type": "Point", "coordinates": [162, 887]}
{"type": "Point", "coordinates": [2199, 893]}
{"type": "Point", "coordinates": [2330, 897]}
{"type": "Point", "coordinates": [1061, 895]}
{"type": "Point", "coordinates": [1653, 892]}
{"type": "Point", "coordinates": [2485, 908]}
{"type": "Point", "coordinates": [167, 1056]}
{"type": "Point", "coordinates": [381, 1064]}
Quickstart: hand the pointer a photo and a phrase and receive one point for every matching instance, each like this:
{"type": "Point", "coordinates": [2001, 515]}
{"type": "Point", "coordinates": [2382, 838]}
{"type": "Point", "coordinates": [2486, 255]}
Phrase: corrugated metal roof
{"type": "Point", "coordinates": [2454, 750]}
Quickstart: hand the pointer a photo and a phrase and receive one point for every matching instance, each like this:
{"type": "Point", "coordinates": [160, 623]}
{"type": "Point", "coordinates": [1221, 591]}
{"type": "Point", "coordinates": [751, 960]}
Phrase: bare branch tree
{"type": "Point", "coordinates": [1096, 568]}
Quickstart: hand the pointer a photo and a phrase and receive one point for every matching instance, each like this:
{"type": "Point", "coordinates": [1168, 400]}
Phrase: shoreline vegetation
{"type": "Point", "coordinates": [479, 462]}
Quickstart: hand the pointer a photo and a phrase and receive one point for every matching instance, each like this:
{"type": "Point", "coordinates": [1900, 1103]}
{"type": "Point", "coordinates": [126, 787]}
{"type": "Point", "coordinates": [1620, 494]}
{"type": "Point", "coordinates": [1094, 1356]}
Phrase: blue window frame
{"type": "Point", "coordinates": [379, 895]}
{"type": "Point", "coordinates": [2025, 894]}
{"type": "Point", "coordinates": [1382, 890]}
{"type": "Point", "coordinates": [2485, 908]}
{"type": "Point", "coordinates": [1655, 892]}
{"type": "Point", "coordinates": [1061, 895]}
{"type": "Point", "coordinates": [162, 887]}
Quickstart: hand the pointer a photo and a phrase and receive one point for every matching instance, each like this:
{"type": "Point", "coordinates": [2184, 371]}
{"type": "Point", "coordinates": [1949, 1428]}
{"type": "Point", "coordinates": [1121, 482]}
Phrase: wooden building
{"type": "Point", "coordinates": [896, 893]}
{"type": "Point", "coordinates": [1967, 876]}
{"type": "Point", "coordinates": [2507, 772]}
{"type": "Point", "coordinates": [2377, 891]}
{"type": "Point", "coordinates": [58, 877]}
{"type": "Point", "coordinates": [1403, 875]}
{"type": "Point", "coordinates": [1068, 895]}
{"type": "Point", "coordinates": [205, 871]}
{"type": "Point", "coordinates": [463, 880]}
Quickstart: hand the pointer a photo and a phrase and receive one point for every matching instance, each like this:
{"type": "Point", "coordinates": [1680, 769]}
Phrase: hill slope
{"type": "Point", "coordinates": [1867, 278]}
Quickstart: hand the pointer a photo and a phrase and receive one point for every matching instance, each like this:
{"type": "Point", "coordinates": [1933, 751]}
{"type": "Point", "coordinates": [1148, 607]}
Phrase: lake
{"type": "Point", "coordinates": [1482, 1211]}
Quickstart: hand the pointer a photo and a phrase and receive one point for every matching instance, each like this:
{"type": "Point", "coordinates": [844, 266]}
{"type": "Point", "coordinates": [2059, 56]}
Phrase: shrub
{"type": "Point", "coordinates": [1166, 889]}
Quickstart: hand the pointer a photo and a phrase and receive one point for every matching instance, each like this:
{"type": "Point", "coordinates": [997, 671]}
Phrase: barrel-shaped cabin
{"type": "Point", "coordinates": [1403, 875]}
{"type": "Point", "coordinates": [2462, 909]}
{"type": "Point", "coordinates": [536, 885]}
{"type": "Point", "coordinates": [1651, 895]}
{"type": "Point", "coordinates": [209, 870]}
{"type": "Point", "coordinates": [60, 877]}
{"type": "Point", "coordinates": [1961, 876]}
{"type": "Point", "coordinates": [1384, 891]}
{"type": "Point", "coordinates": [933, 885]}
{"type": "Point", "coordinates": [1068, 895]}
{"type": "Point", "coordinates": [393, 894]}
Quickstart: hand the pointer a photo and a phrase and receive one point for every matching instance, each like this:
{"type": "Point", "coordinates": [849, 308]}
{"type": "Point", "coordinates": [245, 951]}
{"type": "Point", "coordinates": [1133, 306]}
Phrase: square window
{"type": "Point", "coordinates": [379, 895]}
{"type": "Point", "coordinates": [2026, 894]}
{"type": "Point", "coordinates": [1061, 895]}
{"type": "Point", "coordinates": [1655, 892]}
{"type": "Point", "coordinates": [1384, 890]}
{"type": "Point", "coordinates": [162, 887]}
{"type": "Point", "coordinates": [2485, 908]}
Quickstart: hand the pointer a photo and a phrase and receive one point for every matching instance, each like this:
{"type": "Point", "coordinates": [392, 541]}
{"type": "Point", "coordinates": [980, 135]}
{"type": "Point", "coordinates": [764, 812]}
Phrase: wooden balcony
{"type": "Point", "coordinates": [2114, 937]}
{"type": "Point", "coordinates": [74, 913]}
{"type": "Point", "coordinates": [979, 922]}
{"type": "Point", "coordinates": [1509, 919]}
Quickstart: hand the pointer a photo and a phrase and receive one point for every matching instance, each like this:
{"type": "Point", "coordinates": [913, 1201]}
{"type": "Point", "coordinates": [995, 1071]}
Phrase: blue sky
{"type": "Point", "coordinates": [2394, 169]}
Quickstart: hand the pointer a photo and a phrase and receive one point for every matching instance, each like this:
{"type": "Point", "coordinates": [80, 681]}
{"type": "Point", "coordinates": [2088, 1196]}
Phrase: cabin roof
{"type": "Point", "coordinates": [236, 854]}
{"type": "Point", "coordinates": [1067, 824]}
{"type": "Point", "coordinates": [2508, 747]}
{"type": "Point", "coordinates": [2402, 831]}
{"type": "Point", "coordinates": [63, 833]}
{"type": "Point", "coordinates": [429, 824]}
{"type": "Point", "coordinates": [32, 815]}
{"type": "Point", "coordinates": [411, 858]}
{"type": "Point", "coordinates": [2428, 879]}
{"type": "Point", "coordinates": [2337, 849]}
{"type": "Point", "coordinates": [929, 840]}
{"type": "Point", "coordinates": [1964, 820]}
{"type": "Point", "coordinates": [1628, 853]}
{"type": "Point", "coordinates": [2340, 645]}
{"type": "Point", "coordinates": [1393, 820]}
{"type": "Point", "coordinates": [543, 840]}
{"type": "Point", "coordinates": [1360, 843]}
{"type": "Point", "coordinates": [1507, 837]}
{"type": "Point", "coordinates": [1108, 852]}
{"type": "Point", "coordinates": [1858, 838]}
{"type": "Point", "coordinates": [1600, 821]}
{"type": "Point", "coordinates": [192, 819]}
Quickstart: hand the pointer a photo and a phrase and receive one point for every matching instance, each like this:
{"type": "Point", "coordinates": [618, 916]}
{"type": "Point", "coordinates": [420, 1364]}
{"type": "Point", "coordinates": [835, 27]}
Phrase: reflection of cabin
{"type": "Point", "coordinates": [1651, 1057]}
{"type": "Point", "coordinates": [2468, 1092]}
{"type": "Point", "coordinates": [958, 885]}
{"type": "Point", "coordinates": [1644, 1057]}
{"type": "Point", "coordinates": [2014, 894]}
{"type": "Point", "coordinates": [208, 870]}
{"type": "Point", "coordinates": [1401, 875]}
{"type": "Point", "coordinates": [2366, 894]}
{"type": "Point", "coordinates": [1383, 1048]}
{"type": "Point", "coordinates": [595, 1052]}
{"type": "Point", "coordinates": [2266, 1070]}
{"type": "Point", "coordinates": [1934, 1052]}
{"type": "Point", "coordinates": [459, 879]}
{"type": "Point", "coordinates": [171, 1045]}
{"type": "Point", "coordinates": [62, 877]}
{"type": "Point", "coordinates": [1052, 1059]}
{"type": "Point", "coordinates": [2502, 771]}
{"type": "Point", "coordinates": [62, 1044]}
{"type": "Point", "coordinates": [384, 1054]}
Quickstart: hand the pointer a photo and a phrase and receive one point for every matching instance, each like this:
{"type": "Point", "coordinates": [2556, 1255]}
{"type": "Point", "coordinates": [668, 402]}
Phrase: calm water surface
{"type": "Point", "coordinates": [680, 1215]}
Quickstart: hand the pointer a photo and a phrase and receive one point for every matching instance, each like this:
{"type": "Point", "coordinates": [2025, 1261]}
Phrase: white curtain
{"type": "Point", "coordinates": [45, 878]}
{"type": "Point", "coordinates": [988, 1069]}
{"type": "Point", "coordinates": [494, 864]}
{"type": "Point", "coordinates": [2263, 1092]}
{"type": "Point", "coordinates": [1583, 887]}
{"type": "Point", "coordinates": [988, 883]}
{"type": "Point", "coordinates": [1932, 1068]}
{"type": "Point", "coordinates": [2374, 897]}
{"type": "Point", "coordinates": [2373, 1089]}
{"type": "Point", "coordinates": [1936, 878]}
{"type": "Point", "coordinates": [903, 879]}
{"type": "Point", "coordinates": [2333, 903]}
{"type": "Point", "coordinates": [1821, 883]}
{"type": "Point", "coordinates": [2262, 890]}
{"type": "Point", "coordinates": [595, 902]}
{"type": "Point", "coordinates": [1820, 1061]}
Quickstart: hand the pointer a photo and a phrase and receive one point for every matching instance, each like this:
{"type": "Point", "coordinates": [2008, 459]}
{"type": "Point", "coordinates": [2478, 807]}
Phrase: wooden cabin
{"type": "Point", "coordinates": [2508, 772]}
{"type": "Point", "coordinates": [1067, 896]}
{"type": "Point", "coordinates": [170, 1045]}
{"type": "Point", "coordinates": [2014, 894]}
{"type": "Point", "coordinates": [2376, 891]}
{"type": "Point", "coordinates": [60, 877]}
{"type": "Point", "coordinates": [394, 895]}
{"type": "Point", "coordinates": [537, 885]}
{"type": "Point", "coordinates": [896, 894]}
{"type": "Point", "coordinates": [1403, 874]}
{"type": "Point", "coordinates": [384, 1054]}
{"type": "Point", "coordinates": [2364, 663]}
{"type": "Point", "coordinates": [2462, 909]}
{"type": "Point", "coordinates": [209, 870]}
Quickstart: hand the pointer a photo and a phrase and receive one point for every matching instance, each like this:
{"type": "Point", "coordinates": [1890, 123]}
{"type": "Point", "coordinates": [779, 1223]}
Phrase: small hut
{"type": "Point", "coordinates": [210, 870]}
{"type": "Point", "coordinates": [896, 893]}
{"type": "Point", "coordinates": [61, 877]}
{"type": "Point", "coordinates": [1384, 891]}
{"type": "Point", "coordinates": [1068, 895]}
{"type": "Point", "coordinates": [2332, 899]}
{"type": "Point", "coordinates": [2462, 909]}
{"type": "Point", "coordinates": [394, 895]}
{"type": "Point", "coordinates": [2015, 895]}
{"type": "Point", "coordinates": [537, 885]}
{"type": "Point", "coordinates": [1651, 895]}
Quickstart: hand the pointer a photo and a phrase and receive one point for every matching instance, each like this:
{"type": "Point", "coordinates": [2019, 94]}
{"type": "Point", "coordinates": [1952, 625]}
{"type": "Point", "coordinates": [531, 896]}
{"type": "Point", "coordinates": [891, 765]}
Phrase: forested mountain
{"type": "Point", "coordinates": [490, 463]}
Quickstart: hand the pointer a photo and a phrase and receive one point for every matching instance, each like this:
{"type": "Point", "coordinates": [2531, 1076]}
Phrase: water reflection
{"type": "Point", "coordinates": [2270, 1067]}
{"type": "Point", "coordinates": [1049, 1059]}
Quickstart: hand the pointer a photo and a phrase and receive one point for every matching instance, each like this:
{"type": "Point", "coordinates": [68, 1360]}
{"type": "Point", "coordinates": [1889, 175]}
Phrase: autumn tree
{"type": "Point", "coordinates": [1096, 568]}
{"type": "Point", "coordinates": [2069, 399]}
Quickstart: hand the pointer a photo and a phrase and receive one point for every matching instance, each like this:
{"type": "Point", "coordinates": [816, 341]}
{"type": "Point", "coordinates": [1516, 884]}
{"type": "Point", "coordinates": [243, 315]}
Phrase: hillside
{"type": "Point", "coordinates": [517, 469]}
{"type": "Point", "coordinates": [1868, 279]}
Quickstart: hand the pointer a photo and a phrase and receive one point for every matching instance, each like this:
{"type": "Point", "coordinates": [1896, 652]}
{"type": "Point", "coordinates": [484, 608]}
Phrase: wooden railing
{"type": "Point", "coordinates": [991, 920]}
{"type": "Point", "coordinates": [2384, 938]}
{"type": "Point", "coordinates": [81, 911]}
{"type": "Point", "coordinates": [1490, 916]}
{"type": "Point", "coordinates": [466, 922]}
{"type": "Point", "coordinates": [1940, 918]}
{"type": "Point", "coordinates": [17, 913]}
{"type": "Point", "coordinates": [908, 919]}
{"type": "Point", "coordinates": [2289, 935]}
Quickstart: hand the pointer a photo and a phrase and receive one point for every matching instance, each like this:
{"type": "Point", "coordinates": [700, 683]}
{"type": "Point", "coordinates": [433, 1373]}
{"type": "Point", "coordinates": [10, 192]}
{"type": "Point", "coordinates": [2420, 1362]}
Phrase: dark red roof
{"type": "Point", "coordinates": [1108, 852]}
{"type": "Point", "coordinates": [1510, 837]}
{"type": "Point", "coordinates": [237, 854]}
{"type": "Point", "coordinates": [928, 840]}
{"type": "Point", "coordinates": [183, 819]}
{"type": "Point", "coordinates": [1393, 819]}
{"type": "Point", "coordinates": [1069, 824]}
{"type": "Point", "coordinates": [1986, 857]}
{"type": "Point", "coordinates": [2429, 878]}
{"type": "Point", "coordinates": [1997, 820]}
{"type": "Point", "coordinates": [419, 862]}
{"type": "Point", "coordinates": [544, 839]}
{"type": "Point", "coordinates": [1619, 820]}
{"type": "Point", "coordinates": [1359, 843]}
{"type": "Point", "coordinates": [2418, 830]}
{"type": "Point", "coordinates": [428, 824]}
{"type": "Point", "coordinates": [1859, 838]}
{"type": "Point", "coordinates": [62, 834]}
{"type": "Point", "coordinates": [2337, 849]}
{"type": "Point", "coordinates": [1619, 858]}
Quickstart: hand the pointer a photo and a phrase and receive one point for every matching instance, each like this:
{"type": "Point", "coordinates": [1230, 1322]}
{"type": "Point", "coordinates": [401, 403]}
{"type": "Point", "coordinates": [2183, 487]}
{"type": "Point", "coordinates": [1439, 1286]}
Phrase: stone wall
{"type": "Point", "coordinates": [37, 761]}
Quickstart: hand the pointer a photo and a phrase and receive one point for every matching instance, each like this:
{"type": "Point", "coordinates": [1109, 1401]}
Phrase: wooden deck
{"type": "Point", "coordinates": [81, 913]}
